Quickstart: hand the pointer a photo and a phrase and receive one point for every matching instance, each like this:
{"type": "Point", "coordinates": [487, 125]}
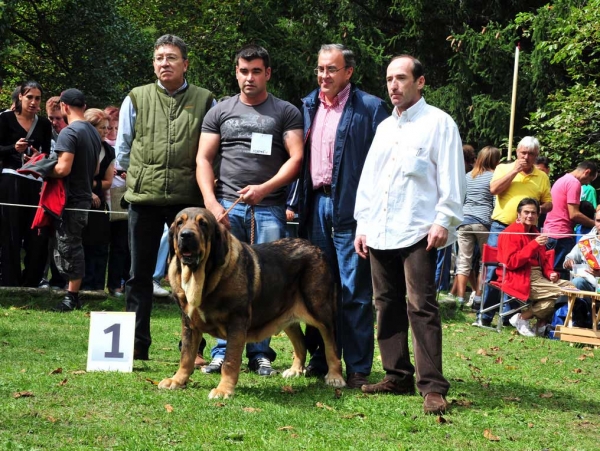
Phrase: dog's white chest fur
{"type": "Point", "coordinates": [192, 284]}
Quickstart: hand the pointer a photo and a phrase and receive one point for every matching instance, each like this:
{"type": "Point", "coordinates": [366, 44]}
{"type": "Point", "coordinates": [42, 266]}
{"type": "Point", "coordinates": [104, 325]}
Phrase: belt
{"type": "Point", "coordinates": [324, 189]}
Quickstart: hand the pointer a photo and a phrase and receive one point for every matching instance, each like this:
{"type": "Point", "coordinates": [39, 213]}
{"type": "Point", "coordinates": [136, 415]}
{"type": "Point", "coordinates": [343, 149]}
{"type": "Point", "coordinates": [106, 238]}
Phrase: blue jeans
{"type": "Point", "coordinates": [561, 246]}
{"type": "Point", "coordinates": [270, 225]}
{"type": "Point", "coordinates": [491, 295]}
{"type": "Point", "coordinates": [442, 269]}
{"type": "Point", "coordinates": [163, 253]}
{"type": "Point", "coordinates": [354, 322]}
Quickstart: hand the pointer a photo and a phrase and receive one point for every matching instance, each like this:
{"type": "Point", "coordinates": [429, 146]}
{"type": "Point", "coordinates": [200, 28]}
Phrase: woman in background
{"type": "Point", "coordinates": [23, 134]}
{"type": "Point", "coordinates": [96, 235]}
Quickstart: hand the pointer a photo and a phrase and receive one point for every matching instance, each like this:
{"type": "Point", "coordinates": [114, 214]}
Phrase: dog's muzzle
{"type": "Point", "coordinates": [189, 249]}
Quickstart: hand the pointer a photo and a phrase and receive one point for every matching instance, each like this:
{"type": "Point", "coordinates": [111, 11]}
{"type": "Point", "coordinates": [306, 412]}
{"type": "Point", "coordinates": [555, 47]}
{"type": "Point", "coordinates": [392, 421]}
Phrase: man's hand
{"type": "Point", "coordinates": [217, 209]}
{"type": "Point", "coordinates": [360, 246]}
{"type": "Point", "coordinates": [541, 239]}
{"type": "Point", "coordinates": [520, 165]}
{"type": "Point", "coordinates": [437, 237]}
{"type": "Point", "coordinates": [95, 201]}
{"type": "Point", "coordinates": [289, 215]}
{"type": "Point", "coordinates": [594, 272]}
{"type": "Point", "coordinates": [554, 277]}
{"type": "Point", "coordinates": [568, 264]}
{"type": "Point", "coordinates": [252, 194]}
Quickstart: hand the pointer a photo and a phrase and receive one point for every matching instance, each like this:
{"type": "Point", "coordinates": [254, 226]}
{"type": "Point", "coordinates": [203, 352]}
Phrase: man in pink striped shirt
{"type": "Point", "coordinates": [339, 124]}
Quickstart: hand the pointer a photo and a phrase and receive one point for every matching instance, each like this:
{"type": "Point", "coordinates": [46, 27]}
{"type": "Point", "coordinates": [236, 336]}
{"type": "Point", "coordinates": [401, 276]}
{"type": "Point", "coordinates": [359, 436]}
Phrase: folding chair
{"type": "Point", "coordinates": [489, 262]}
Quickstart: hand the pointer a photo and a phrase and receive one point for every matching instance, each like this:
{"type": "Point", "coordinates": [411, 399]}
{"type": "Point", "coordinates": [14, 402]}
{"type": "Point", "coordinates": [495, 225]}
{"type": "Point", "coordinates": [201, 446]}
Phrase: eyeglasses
{"type": "Point", "coordinates": [171, 59]}
{"type": "Point", "coordinates": [330, 69]}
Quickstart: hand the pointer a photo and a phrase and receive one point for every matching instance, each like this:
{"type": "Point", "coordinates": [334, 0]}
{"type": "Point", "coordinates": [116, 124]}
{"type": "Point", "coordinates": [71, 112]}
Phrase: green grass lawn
{"type": "Point", "coordinates": [507, 393]}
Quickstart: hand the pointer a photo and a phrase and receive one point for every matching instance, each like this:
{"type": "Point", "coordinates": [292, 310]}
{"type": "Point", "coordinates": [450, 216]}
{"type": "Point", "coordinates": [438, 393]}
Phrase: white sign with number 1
{"type": "Point", "coordinates": [110, 346]}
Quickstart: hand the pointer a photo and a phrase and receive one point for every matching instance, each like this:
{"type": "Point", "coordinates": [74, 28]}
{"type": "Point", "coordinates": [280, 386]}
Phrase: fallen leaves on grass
{"type": "Point", "coordinates": [51, 419]}
{"type": "Point", "coordinates": [512, 399]}
{"type": "Point", "coordinates": [490, 436]}
{"type": "Point", "coordinates": [63, 382]}
{"type": "Point", "coordinates": [482, 351]}
{"type": "Point", "coordinates": [220, 404]}
{"type": "Point", "coordinates": [544, 360]}
{"type": "Point", "coordinates": [441, 420]}
{"type": "Point", "coordinates": [510, 367]}
{"type": "Point", "coordinates": [286, 428]}
{"type": "Point", "coordinates": [251, 409]}
{"type": "Point", "coordinates": [529, 425]}
{"type": "Point", "coordinates": [495, 348]}
{"type": "Point", "coordinates": [56, 371]}
{"type": "Point", "coordinates": [288, 390]}
{"type": "Point", "coordinates": [320, 405]}
{"type": "Point", "coordinates": [337, 394]}
{"type": "Point", "coordinates": [571, 381]}
{"type": "Point", "coordinates": [169, 408]}
{"type": "Point", "coordinates": [461, 402]}
{"type": "Point", "coordinates": [577, 370]}
{"type": "Point", "coordinates": [78, 372]}
{"type": "Point", "coordinates": [151, 381]}
{"type": "Point", "coordinates": [23, 394]}
{"type": "Point", "coordinates": [463, 357]}
{"type": "Point", "coordinates": [354, 415]}
{"type": "Point", "coordinates": [498, 360]}
{"type": "Point", "coordinates": [546, 395]}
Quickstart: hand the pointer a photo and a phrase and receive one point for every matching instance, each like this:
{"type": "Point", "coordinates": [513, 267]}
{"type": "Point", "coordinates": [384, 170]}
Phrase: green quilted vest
{"type": "Point", "coordinates": [162, 168]}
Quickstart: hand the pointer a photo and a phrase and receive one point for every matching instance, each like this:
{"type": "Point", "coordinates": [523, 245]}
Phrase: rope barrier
{"type": "Point", "coordinates": [554, 235]}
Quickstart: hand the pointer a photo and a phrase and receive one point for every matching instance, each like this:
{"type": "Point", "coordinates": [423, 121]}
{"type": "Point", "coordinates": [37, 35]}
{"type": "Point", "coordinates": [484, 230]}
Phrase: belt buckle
{"type": "Point", "coordinates": [326, 189]}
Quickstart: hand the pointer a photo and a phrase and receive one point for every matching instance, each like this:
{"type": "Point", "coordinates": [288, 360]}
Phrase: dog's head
{"type": "Point", "coordinates": [196, 236]}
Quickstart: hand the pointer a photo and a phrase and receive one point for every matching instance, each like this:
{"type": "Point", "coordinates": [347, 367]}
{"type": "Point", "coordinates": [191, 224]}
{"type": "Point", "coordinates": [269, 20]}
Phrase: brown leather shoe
{"type": "Point", "coordinates": [435, 403]}
{"type": "Point", "coordinates": [405, 386]}
{"type": "Point", "coordinates": [199, 362]}
{"type": "Point", "coordinates": [356, 380]}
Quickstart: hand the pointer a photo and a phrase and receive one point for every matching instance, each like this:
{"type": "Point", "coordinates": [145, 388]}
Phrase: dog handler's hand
{"type": "Point", "coordinates": [436, 237]}
{"type": "Point", "coordinates": [252, 194]}
{"type": "Point", "coordinates": [360, 246]}
{"type": "Point", "coordinates": [217, 209]}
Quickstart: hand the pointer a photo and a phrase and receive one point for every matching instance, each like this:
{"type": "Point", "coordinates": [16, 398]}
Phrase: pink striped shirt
{"type": "Point", "coordinates": [322, 140]}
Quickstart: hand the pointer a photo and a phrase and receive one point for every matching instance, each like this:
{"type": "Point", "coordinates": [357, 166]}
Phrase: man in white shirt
{"type": "Point", "coordinates": [408, 204]}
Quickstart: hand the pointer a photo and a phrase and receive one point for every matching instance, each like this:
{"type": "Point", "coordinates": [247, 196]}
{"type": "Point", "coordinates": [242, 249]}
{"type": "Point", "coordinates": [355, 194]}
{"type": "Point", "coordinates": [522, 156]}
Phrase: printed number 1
{"type": "Point", "coordinates": [114, 353]}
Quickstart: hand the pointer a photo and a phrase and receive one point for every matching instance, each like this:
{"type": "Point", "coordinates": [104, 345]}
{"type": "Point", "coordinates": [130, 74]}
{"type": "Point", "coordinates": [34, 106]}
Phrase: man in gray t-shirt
{"type": "Point", "coordinates": [257, 139]}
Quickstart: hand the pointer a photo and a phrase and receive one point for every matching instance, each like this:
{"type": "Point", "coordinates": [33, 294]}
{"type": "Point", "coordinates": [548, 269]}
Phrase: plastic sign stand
{"type": "Point", "coordinates": [110, 346]}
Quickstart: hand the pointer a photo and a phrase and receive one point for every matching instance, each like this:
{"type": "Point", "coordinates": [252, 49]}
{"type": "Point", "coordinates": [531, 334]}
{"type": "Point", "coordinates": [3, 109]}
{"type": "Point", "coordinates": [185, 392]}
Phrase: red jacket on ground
{"type": "Point", "coordinates": [519, 253]}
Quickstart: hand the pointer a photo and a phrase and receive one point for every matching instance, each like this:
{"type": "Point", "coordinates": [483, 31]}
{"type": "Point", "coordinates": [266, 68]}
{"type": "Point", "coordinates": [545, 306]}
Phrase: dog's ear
{"type": "Point", "coordinates": [219, 245]}
{"type": "Point", "coordinates": [172, 231]}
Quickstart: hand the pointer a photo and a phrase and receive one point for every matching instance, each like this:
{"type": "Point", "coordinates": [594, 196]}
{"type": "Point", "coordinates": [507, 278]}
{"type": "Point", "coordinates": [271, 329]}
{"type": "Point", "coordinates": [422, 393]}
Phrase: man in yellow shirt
{"type": "Point", "coordinates": [511, 183]}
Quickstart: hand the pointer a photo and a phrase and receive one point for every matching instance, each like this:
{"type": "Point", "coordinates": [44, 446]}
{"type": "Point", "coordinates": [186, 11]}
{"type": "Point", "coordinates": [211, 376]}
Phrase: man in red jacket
{"type": "Point", "coordinates": [529, 271]}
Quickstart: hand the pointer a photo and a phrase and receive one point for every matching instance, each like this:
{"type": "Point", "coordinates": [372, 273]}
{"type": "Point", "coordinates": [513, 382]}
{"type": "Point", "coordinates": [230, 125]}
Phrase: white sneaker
{"type": "Point", "coordinates": [159, 291]}
{"type": "Point", "coordinates": [522, 325]}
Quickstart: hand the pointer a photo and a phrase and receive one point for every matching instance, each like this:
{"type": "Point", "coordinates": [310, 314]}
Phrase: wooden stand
{"type": "Point", "coordinates": [567, 332]}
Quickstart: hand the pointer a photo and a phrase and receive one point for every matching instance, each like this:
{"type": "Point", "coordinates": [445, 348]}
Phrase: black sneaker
{"type": "Point", "coordinates": [262, 367]}
{"type": "Point", "coordinates": [68, 304]}
{"type": "Point", "coordinates": [214, 366]}
{"type": "Point", "coordinates": [44, 284]}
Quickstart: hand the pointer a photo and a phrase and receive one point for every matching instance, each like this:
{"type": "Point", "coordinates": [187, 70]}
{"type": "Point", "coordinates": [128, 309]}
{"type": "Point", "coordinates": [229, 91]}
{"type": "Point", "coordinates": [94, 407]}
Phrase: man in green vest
{"type": "Point", "coordinates": [159, 130]}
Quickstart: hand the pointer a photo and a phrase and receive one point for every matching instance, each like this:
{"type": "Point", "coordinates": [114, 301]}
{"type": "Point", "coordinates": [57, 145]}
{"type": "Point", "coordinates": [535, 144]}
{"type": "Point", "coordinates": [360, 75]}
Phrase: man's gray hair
{"type": "Point", "coordinates": [349, 58]}
{"type": "Point", "coordinates": [530, 143]}
{"type": "Point", "coordinates": [171, 39]}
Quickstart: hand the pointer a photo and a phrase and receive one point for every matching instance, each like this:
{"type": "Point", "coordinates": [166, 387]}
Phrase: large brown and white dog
{"type": "Point", "coordinates": [242, 293]}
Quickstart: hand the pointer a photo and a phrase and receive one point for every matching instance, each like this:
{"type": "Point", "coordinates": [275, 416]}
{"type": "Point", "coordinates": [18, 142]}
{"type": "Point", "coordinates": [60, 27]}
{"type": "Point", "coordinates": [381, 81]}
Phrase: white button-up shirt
{"type": "Point", "coordinates": [413, 177]}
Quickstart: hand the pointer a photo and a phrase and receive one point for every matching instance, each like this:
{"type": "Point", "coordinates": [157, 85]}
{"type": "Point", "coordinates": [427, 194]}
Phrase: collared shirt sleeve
{"type": "Point", "coordinates": [450, 179]}
{"type": "Point", "coordinates": [126, 133]}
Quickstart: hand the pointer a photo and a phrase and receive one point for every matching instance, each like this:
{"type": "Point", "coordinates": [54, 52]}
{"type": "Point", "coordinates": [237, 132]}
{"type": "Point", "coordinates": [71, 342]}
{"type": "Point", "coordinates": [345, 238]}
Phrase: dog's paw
{"type": "Point", "coordinates": [170, 384]}
{"type": "Point", "coordinates": [292, 372]}
{"type": "Point", "coordinates": [216, 393]}
{"type": "Point", "coordinates": [335, 381]}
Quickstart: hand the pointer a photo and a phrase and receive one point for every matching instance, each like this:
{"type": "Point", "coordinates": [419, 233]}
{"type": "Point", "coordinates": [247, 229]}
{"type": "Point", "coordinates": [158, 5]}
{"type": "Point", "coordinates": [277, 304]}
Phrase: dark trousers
{"type": "Point", "coordinates": [404, 290]}
{"type": "Point", "coordinates": [146, 226]}
{"type": "Point", "coordinates": [16, 233]}
{"type": "Point", "coordinates": [119, 260]}
{"type": "Point", "coordinates": [96, 257]}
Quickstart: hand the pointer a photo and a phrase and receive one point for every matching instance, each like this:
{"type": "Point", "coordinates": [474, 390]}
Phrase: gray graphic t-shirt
{"type": "Point", "coordinates": [251, 150]}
